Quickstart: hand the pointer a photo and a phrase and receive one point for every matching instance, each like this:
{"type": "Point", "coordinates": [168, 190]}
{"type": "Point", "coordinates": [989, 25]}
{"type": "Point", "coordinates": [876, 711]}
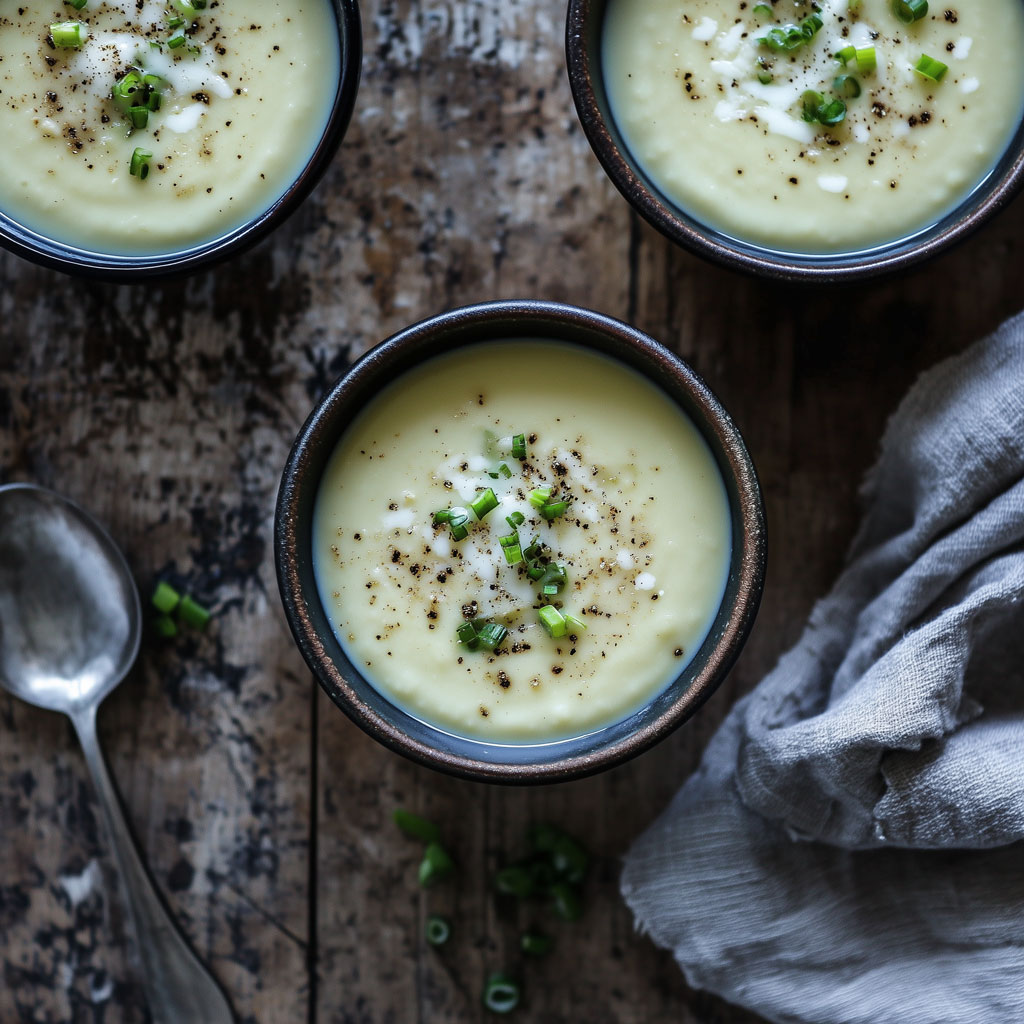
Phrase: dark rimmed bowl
{"type": "Point", "coordinates": [50, 252]}
{"type": "Point", "coordinates": [477, 759]}
{"type": "Point", "coordinates": [584, 25]}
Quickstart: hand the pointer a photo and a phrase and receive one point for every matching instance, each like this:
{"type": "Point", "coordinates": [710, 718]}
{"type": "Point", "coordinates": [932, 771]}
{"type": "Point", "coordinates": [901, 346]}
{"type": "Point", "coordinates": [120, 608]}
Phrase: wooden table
{"type": "Point", "coordinates": [169, 411]}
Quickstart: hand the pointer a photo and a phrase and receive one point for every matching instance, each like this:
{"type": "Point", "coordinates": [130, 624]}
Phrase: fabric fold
{"type": "Point", "coordinates": [890, 739]}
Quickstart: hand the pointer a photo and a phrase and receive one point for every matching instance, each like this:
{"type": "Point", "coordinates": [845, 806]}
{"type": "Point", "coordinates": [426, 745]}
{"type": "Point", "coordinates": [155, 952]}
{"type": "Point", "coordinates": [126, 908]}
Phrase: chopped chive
{"type": "Point", "coordinates": [574, 625]}
{"type": "Point", "coordinates": [846, 85]}
{"type": "Point", "coordinates": [175, 22]}
{"type": "Point", "coordinates": [68, 34]}
{"type": "Point", "coordinates": [165, 598]}
{"type": "Point", "coordinates": [569, 859]}
{"type": "Point", "coordinates": [484, 502]}
{"type": "Point", "coordinates": [492, 635]}
{"type": "Point", "coordinates": [816, 108]}
{"type": "Point", "coordinates": [77, 4]}
{"type": "Point", "coordinates": [554, 509]}
{"type": "Point", "coordinates": [515, 520]}
{"type": "Point", "coordinates": [139, 165]}
{"type": "Point", "coordinates": [763, 11]}
{"type": "Point", "coordinates": [501, 994]}
{"type": "Point", "coordinates": [513, 554]}
{"type": "Point", "coordinates": [501, 470]}
{"type": "Point", "coordinates": [535, 944]}
{"type": "Point", "coordinates": [436, 864]}
{"type": "Point", "coordinates": [165, 626]}
{"type": "Point", "coordinates": [193, 614]}
{"type": "Point", "coordinates": [867, 59]}
{"type": "Point", "coordinates": [177, 40]}
{"type": "Point", "coordinates": [853, 7]}
{"type": "Point", "coordinates": [567, 903]}
{"type": "Point", "coordinates": [190, 8]}
{"type": "Point", "coordinates": [909, 11]}
{"type": "Point", "coordinates": [787, 38]}
{"type": "Point", "coordinates": [414, 826]}
{"type": "Point", "coordinates": [552, 620]}
{"type": "Point", "coordinates": [437, 930]}
{"type": "Point", "coordinates": [554, 576]}
{"type": "Point", "coordinates": [540, 496]}
{"type": "Point", "coordinates": [519, 446]}
{"type": "Point", "coordinates": [930, 68]}
{"type": "Point", "coordinates": [847, 53]}
{"type": "Point", "coordinates": [139, 116]}
{"type": "Point", "coordinates": [455, 519]}
{"type": "Point", "coordinates": [515, 880]}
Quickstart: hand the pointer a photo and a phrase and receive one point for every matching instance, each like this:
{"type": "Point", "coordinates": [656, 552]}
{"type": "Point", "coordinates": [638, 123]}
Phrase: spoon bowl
{"type": "Point", "coordinates": [70, 617]}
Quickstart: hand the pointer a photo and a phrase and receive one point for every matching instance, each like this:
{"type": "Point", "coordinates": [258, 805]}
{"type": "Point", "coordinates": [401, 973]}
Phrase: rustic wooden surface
{"type": "Point", "coordinates": [169, 410]}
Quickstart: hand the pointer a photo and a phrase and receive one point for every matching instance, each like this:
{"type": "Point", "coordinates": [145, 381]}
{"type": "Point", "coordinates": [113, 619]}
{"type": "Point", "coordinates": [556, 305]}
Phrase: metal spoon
{"type": "Point", "coordinates": [70, 623]}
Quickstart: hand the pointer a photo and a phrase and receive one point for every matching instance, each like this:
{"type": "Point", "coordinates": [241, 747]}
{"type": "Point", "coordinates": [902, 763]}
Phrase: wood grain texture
{"type": "Point", "coordinates": [168, 411]}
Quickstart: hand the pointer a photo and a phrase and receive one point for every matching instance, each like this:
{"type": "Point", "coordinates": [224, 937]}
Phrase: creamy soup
{"type": "Point", "coordinates": [134, 127]}
{"type": "Point", "coordinates": [815, 128]}
{"type": "Point", "coordinates": [610, 500]}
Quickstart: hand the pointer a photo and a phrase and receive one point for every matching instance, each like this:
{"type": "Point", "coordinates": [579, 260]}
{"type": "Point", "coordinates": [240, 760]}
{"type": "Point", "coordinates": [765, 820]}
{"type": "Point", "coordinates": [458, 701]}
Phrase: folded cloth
{"type": "Point", "coordinates": [843, 853]}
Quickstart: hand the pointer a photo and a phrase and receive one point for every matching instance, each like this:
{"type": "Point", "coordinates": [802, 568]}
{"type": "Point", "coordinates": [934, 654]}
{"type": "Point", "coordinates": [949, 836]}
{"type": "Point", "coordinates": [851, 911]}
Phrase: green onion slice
{"type": "Point", "coordinates": [540, 496]}
{"type": "Point", "coordinates": [484, 502]}
{"type": "Point", "coordinates": [501, 470]}
{"type": "Point", "coordinates": [867, 59]}
{"type": "Point", "coordinates": [930, 68]}
{"type": "Point", "coordinates": [165, 598]}
{"type": "Point", "coordinates": [567, 903]}
{"type": "Point", "coordinates": [535, 944]}
{"type": "Point", "coordinates": [69, 34]}
{"type": "Point", "coordinates": [846, 85]}
{"type": "Point", "coordinates": [515, 520]}
{"type": "Point", "coordinates": [501, 994]}
{"type": "Point", "coordinates": [455, 519]}
{"type": "Point", "coordinates": [847, 53]}
{"type": "Point", "coordinates": [191, 612]}
{"type": "Point", "coordinates": [481, 633]}
{"type": "Point", "coordinates": [77, 4]}
{"type": "Point", "coordinates": [575, 625]}
{"type": "Point", "coordinates": [436, 864]}
{"type": "Point", "coordinates": [139, 165]}
{"type": "Point", "coordinates": [763, 11]}
{"type": "Point", "coordinates": [437, 930]}
{"type": "Point", "coordinates": [519, 446]}
{"type": "Point", "coordinates": [416, 827]}
{"type": "Point", "coordinates": [909, 11]}
{"type": "Point", "coordinates": [515, 880]}
{"type": "Point", "coordinates": [165, 626]}
{"type": "Point", "coordinates": [554, 509]}
{"type": "Point", "coordinates": [787, 38]}
{"type": "Point", "coordinates": [552, 620]}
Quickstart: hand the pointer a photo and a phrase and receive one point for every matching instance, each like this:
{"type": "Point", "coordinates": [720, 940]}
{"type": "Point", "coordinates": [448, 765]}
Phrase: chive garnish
{"type": "Point", "coordinates": [930, 68]}
{"type": "Point", "coordinates": [193, 614]}
{"type": "Point", "coordinates": [77, 4]}
{"type": "Point", "coordinates": [437, 930]}
{"type": "Point", "coordinates": [909, 10]}
{"type": "Point", "coordinates": [484, 502]}
{"type": "Point", "coordinates": [500, 471]}
{"type": "Point", "coordinates": [501, 994]}
{"type": "Point", "coordinates": [554, 509]}
{"type": "Point", "coordinates": [536, 944]}
{"type": "Point", "coordinates": [867, 59]}
{"type": "Point", "coordinates": [139, 165]}
{"type": "Point", "coordinates": [481, 633]}
{"type": "Point", "coordinates": [574, 625]}
{"type": "Point", "coordinates": [826, 112]}
{"type": "Point", "coordinates": [436, 864]}
{"type": "Point", "coordinates": [519, 446]}
{"type": "Point", "coordinates": [166, 626]}
{"type": "Point", "coordinates": [416, 827]}
{"type": "Point", "coordinates": [787, 38]}
{"type": "Point", "coordinates": [177, 40]}
{"type": "Point", "coordinates": [165, 598]}
{"type": "Point", "coordinates": [539, 496]}
{"type": "Point", "coordinates": [516, 519]}
{"type": "Point", "coordinates": [552, 620]}
{"type": "Point", "coordinates": [69, 34]}
{"type": "Point", "coordinates": [456, 520]}
{"type": "Point", "coordinates": [763, 10]}
{"type": "Point", "coordinates": [846, 85]}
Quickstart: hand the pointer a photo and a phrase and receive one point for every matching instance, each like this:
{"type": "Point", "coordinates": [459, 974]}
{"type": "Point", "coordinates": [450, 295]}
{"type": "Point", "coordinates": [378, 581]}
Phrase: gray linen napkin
{"type": "Point", "coordinates": [843, 853]}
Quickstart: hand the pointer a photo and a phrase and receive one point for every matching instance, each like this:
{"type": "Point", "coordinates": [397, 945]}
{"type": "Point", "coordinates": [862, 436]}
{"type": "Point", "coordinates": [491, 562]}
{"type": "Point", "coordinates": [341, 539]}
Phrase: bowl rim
{"type": "Point", "coordinates": [990, 195]}
{"type": "Point", "coordinates": [517, 318]}
{"type": "Point", "coordinates": [54, 254]}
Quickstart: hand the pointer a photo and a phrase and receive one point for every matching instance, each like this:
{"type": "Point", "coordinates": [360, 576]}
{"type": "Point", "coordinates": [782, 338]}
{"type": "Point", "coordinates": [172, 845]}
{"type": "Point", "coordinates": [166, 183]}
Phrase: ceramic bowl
{"type": "Point", "coordinates": [584, 25]}
{"type": "Point", "coordinates": [471, 758]}
{"type": "Point", "coordinates": [51, 252]}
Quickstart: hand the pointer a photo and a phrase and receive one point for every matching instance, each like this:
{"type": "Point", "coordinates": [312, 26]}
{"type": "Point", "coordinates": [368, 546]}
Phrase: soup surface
{"type": "Point", "coordinates": [635, 561]}
{"type": "Point", "coordinates": [243, 94]}
{"type": "Point", "coordinates": [734, 117]}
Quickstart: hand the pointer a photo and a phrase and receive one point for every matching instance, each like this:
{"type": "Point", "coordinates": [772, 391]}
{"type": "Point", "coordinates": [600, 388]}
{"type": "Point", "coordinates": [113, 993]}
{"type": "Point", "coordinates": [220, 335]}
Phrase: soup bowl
{"type": "Point", "coordinates": [285, 183]}
{"type": "Point", "coordinates": [548, 760]}
{"type": "Point", "coordinates": [591, 89]}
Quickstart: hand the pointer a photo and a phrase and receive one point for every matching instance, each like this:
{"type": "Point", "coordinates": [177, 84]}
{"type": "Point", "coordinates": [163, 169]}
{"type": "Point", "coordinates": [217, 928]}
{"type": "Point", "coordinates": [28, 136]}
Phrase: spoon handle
{"type": "Point", "coordinates": [178, 987]}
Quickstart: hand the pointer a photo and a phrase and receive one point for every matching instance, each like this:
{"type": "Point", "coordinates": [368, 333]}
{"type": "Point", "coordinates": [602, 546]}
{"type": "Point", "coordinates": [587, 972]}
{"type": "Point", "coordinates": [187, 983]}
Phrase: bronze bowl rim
{"type": "Point", "coordinates": [68, 259]}
{"type": "Point", "coordinates": [582, 49]}
{"type": "Point", "coordinates": [547, 761]}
